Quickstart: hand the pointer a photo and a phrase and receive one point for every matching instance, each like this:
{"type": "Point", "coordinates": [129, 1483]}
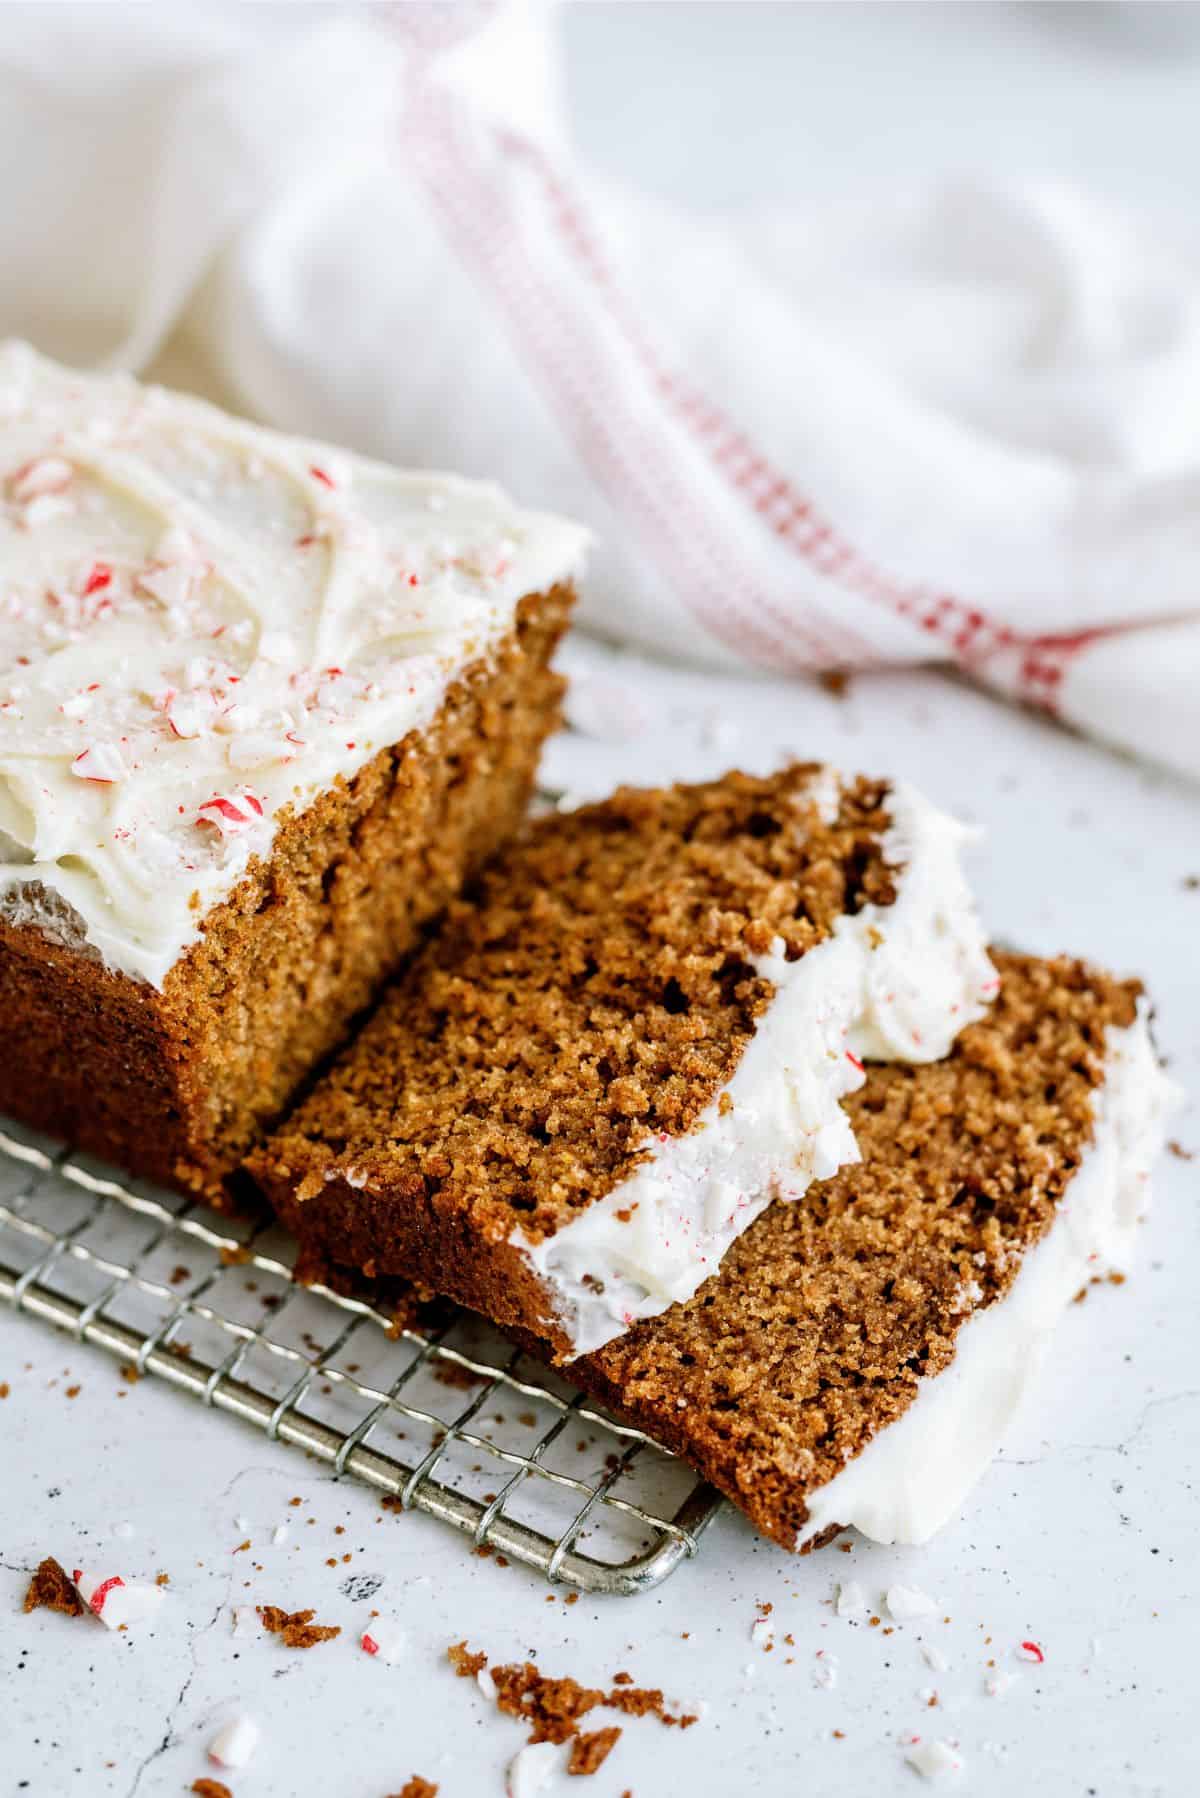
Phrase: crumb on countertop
{"type": "Point", "coordinates": [51, 1589]}
{"type": "Point", "coordinates": [296, 1628]}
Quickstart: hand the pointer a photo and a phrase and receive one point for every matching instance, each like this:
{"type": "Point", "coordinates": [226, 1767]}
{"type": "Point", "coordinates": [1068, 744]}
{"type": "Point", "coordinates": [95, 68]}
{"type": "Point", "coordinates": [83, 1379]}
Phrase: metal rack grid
{"type": "Point", "coordinates": [412, 1415]}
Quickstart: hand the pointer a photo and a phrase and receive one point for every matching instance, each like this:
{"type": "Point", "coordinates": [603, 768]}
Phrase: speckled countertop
{"type": "Point", "coordinates": [1082, 1537]}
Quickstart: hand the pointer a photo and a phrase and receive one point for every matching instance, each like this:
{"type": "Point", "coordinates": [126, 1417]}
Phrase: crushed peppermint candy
{"type": "Point", "coordinates": [176, 545]}
{"type": "Point", "coordinates": [385, 1640]}
{"type": "Point", "coordinates": [101, 763]}
{"type": "Point", "coordinates": [1032, 1651]}
{"type": "Point", "coordinates": [934, 1760]}
{"type": "Point", "coordinates": [826, 1670]}
{"type": "Point", "coordinates": [906, 1603]}
{"type": "Point", "coordinates": [190, 714]}
{"type": "Point", "coordinates": [98, 577]}
{"type": "Point", "coordinates": [231, 812]}
{"type": "Point", "coordinates": [762, 1633]}
{"type": "Point", "coordinates": [851, 1599]}
{"type": "Point", "coordinates": [279, 1534]}
{"type": "Point", "coordinates": [48, 474]}
{"type": "Point", "coordinates": [934, 1657]}
{"type": "Point", "coordinates": [531, 1769]}
{"type": "Point", "coordinates": [996, 1684]}
{"type": "Point", "coordinates": [245, 1620]}
{"type": "Point", "coordinates": [117, 1601]}
{"type": "Point", "coordinates": [169, 582]}
{"type": "Point", "coordinates": [234, 1743]}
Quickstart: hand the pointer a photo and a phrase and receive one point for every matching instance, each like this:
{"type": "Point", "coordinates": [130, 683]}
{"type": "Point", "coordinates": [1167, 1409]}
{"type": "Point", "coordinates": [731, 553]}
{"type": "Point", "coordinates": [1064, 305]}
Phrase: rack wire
{"type": "Point", "coordinates": [454, 1421]}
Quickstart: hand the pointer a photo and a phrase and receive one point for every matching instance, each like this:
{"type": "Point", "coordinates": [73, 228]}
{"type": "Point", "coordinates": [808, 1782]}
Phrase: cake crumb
{"type": "Point", "coordinates": [51, 1589]}
{"type": "Point", "coordinates": [589, 1752]}
{"type": "Point", "coordinates": [905, 1603]}
{"type": "Point", "coordinates": [296, 1628]}
{"type": "Point", "coordinates": [933, 1760]}
{"type": "Point", "coordinates": [464, 1663]}
{"type": "Point", "coordinates": [416, 1787]}
{"type": "Point", "coordinates": [210, 1788]}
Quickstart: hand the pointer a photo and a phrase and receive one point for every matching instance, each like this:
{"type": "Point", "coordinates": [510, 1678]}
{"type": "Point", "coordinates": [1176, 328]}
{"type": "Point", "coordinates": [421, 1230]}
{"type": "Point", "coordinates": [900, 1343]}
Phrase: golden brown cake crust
{"type": "Point", "coordinates": [177, 1084]}
{"type": "Point", "coordinates": [828, 1311]}
{"type": "Point", "coordinates": [593, 993]}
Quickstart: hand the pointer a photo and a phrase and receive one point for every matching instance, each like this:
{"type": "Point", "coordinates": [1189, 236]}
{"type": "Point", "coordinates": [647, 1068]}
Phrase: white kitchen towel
{"type": "Point", "coordinates": [962, 425]}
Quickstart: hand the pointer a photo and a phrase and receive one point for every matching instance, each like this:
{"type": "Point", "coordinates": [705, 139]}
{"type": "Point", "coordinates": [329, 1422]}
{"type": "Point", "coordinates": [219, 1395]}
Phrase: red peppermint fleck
{"type": "Point", "coordinates": [319, 474]}
{"type": "Point", "coordinates": [414, 580]}
{"type": "Point", "coordinates": [99, 577]}
{"type": "Point", "coordinates": [854, 1061]}
{"type": "Point", "coordinates": [1031, 1651]}
{"type": "Point", "coordinates": [96, 1601]}
{"type": "Point", "coordinates": [46, 474]}
{"type": "Point", "coordinates": [231, 813]}
{"type": "Point", "coordinates": [369, 1644]}
{"type": "Point", "coordinates": [101, 764]}
{"type": "Point", "coordinates": [305, 542]}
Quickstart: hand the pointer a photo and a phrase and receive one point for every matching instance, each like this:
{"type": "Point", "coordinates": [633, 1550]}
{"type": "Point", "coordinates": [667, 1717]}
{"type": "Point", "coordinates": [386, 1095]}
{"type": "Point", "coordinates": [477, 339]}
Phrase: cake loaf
{"type": "Point", "coordinates": [263, 706]}
{"type": "Point", "coordinates": [860, 1354]}
{"type": "Point", "coordinates": [634, 1033]}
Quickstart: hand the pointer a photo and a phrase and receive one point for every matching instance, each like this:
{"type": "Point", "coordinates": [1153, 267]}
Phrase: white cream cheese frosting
{"type": "Point", "coordinates": [893, 982]}
{"type": "Point", "coordinates": [202, 623]}
{"type": "Point", "coordinates": [913, 1476]}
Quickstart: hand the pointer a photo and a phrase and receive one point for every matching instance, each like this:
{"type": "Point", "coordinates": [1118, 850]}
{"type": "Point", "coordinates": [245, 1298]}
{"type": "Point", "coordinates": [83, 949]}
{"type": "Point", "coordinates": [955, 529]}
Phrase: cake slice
{"type": "Point", "coordinates": [635, 1033]}
{"type": "Point", "coordinates": [263, 705]}
{"type": "Point", "coordinates": [860, 1354]}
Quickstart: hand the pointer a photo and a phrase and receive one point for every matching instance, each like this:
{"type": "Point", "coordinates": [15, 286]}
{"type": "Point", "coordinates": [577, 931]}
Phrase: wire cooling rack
{"type": "Point", "coordinates": [457, 1422]}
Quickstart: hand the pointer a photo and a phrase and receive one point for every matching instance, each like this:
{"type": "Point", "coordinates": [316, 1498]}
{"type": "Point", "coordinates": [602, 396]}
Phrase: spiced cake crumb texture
{"type": "Point", "coordinates": [52, 1589]}
{"type": "Point", "coordinates": [828, 1313]}
{"type": "Point", "coordinates": [177, 1083]}
{"type": "Point", "coordinates": [263, 705]}
{"type": "Point", "coordinates": [831, 1314]}
{"type": "Point", "coordinates": [416, 1787]}
{"type": "Point", "coordinates": [296, 1629]}
{"type": "Point", "coordinates": [589, 995]}
{"type": "Point", "coordinates": [554, 1707]}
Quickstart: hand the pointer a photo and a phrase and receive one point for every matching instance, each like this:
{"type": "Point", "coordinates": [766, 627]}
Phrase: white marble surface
{"type": "Point", "coordinates": [1083, 1536]}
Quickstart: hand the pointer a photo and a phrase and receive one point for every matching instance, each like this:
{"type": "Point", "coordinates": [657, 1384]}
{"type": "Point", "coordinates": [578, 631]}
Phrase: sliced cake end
{"type": "Point", "coordinates": [860, 1353]}
{"type": "Point", "coordinates": [635, 1034]}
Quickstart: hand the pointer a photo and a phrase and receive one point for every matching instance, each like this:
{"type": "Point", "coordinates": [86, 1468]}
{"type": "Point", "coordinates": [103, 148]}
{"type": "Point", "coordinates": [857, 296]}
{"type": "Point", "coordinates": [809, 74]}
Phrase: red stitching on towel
{"type": "Point", "coordinates": [788, 513]}
{"type": "Point", "coordinates": [616, 444]}
{"type": "Point", "coordinates": [610, 435]}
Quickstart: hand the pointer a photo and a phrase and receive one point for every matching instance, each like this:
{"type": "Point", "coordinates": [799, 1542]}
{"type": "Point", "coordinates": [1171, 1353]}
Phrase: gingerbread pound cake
{"type": "Point", "coordinates": [860, 1354]}
{"type": "Point", "coordinates": [263, 705]}
{"type": "Point", "coordinates": [635, 1033]}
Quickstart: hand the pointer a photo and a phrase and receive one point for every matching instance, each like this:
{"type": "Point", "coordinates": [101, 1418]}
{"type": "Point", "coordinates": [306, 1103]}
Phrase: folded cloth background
{"type": "Point", "coordinates": [962, 425]}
